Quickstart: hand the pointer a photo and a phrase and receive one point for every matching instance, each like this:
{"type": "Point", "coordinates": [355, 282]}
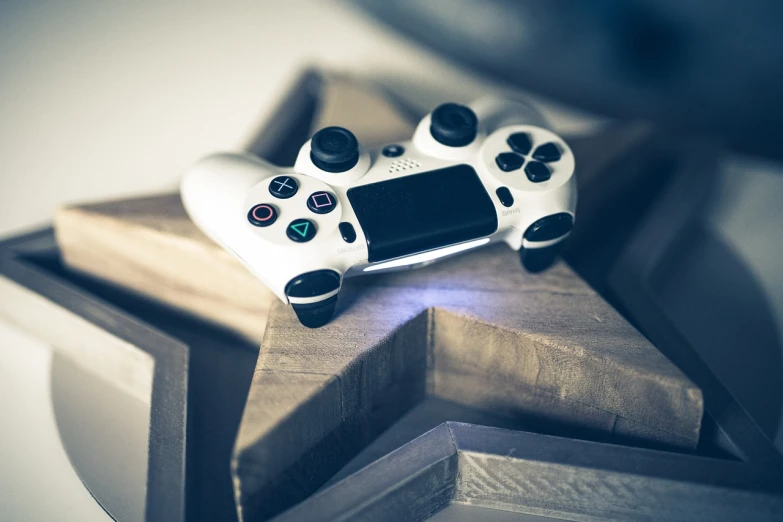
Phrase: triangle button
{"type": "Point", "coordinates": [301, 230]}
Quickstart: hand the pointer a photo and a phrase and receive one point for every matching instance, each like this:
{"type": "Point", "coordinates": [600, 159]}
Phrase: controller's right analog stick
{"type": "Point", "coordinates": [453, 125]}
{"type": "Point", "coordinates": [334, 149]}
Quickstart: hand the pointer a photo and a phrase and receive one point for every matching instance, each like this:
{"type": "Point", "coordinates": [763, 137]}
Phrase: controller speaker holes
{"type": "Point", "coordinates": [403, 164]}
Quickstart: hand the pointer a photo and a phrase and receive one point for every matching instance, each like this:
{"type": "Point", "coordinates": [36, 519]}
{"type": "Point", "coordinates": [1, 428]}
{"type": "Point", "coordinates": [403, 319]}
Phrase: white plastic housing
{"type": "Point", "coordinates": [219, 191]}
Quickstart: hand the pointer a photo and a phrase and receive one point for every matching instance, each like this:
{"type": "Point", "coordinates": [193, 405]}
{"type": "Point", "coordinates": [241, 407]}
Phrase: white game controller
{"type": "Point", "coordinates": [462, 182]}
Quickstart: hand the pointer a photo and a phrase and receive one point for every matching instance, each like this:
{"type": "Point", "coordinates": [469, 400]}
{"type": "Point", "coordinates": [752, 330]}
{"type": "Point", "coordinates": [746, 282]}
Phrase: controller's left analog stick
{"type": "Point", "coordinates": [334, 149]}
{"type": "Point", "coordinates": [453, 125]}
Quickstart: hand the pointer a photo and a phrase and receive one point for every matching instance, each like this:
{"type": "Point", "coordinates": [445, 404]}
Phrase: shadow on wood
{"type": "Point", "coordinates": [475, 330]}
{"type": "Point", "coordinates": [542, 350]}
{"type": "Point", "coordinates": [539, 475]}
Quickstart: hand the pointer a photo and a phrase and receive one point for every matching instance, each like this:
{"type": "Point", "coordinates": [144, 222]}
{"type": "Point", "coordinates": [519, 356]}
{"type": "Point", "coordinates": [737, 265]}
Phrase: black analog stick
{"type": "Point", "coordinates": [334, 149]}
{"type": "Point", "coordinates": [453, 125]}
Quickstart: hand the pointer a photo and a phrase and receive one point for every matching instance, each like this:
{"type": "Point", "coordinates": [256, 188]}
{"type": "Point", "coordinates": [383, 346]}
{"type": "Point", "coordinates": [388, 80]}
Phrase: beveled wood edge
{"type": "Point", "coordinates": [168, 410]}
{"type": "Point", "coordinates": [376, 488]}
{"type": "Point", "coordinates": [432, 456]}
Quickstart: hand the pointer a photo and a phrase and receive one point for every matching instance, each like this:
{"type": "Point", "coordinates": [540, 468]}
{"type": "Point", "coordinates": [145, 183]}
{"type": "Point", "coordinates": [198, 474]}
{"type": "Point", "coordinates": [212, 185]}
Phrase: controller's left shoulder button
{"type": "Point", "coordinates": [550, 227]}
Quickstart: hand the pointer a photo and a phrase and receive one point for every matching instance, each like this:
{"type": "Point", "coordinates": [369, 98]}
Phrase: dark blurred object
{"type": "Point", "coordinates": [700, 278]}
{"type": "Point", "coordinates": [712, 66]}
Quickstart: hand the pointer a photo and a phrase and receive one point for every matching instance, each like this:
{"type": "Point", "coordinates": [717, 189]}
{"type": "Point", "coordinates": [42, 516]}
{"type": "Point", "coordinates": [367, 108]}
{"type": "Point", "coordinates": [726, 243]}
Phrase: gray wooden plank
{"type": "Point", "coordinates": [140, 360]}
{"type": "Point", "coordinates": [470, 330]}
{"type": "Point", "coordinates": [420, 483]}
{"type": "Point", "coordinates": [582, 480]}
{"type": "Point", "coordinates": [537, 475]}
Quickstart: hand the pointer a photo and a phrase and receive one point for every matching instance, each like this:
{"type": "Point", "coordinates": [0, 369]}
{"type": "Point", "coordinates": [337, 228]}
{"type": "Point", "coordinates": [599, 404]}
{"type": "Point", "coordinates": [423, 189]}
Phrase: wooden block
{"type": "Point", "coordinates": [115, 382]}
{"type": "Point", "coordinates": [149, 244]}
{"type": "Point", "coordinates": [497, 471]}
{"type": "Point", "coordinates": [476, 330]}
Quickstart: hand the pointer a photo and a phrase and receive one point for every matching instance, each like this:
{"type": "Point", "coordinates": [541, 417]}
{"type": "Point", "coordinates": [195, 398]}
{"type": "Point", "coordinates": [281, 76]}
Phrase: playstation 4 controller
{"type": "Point", "coordinates": [470, 176]}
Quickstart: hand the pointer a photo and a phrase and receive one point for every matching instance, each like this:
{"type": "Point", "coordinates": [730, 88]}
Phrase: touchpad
{"type": "Point", "coordinates": [421, 212]}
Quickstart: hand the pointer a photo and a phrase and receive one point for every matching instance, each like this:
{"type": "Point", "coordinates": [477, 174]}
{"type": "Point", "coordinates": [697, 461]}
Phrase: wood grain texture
{"type": "Point", "coordinates": [579, 480]}
{"type": "Point", "coordinates": [149, 244]}
{"type": "Point", "coordinates": [475, 330]}
{"type": "Point", "coordinates": [103, 341]}
{"type": "Point", "coordinates": [422, 482]}
{"type": "Point", "coordinates": [540, 475]}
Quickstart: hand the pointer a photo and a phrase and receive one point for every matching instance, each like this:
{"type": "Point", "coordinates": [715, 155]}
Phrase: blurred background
{"type": "Point", "coordinates": [109, 99]}
{"type": "Point", "coordinates": [101, 100]}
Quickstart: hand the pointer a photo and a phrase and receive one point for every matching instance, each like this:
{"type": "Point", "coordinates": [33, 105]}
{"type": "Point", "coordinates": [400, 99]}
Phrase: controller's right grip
{"type": "Point", "coordinates": [214, 190]}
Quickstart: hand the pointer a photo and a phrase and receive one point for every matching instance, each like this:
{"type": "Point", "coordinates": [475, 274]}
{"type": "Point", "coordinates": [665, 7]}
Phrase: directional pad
{"type": "Point", "coordinates": [537, 172]}
{"type": "Point", "coordinates": [520, 142]}
{"type": "Point", "coordinates": [508, 161]}
{"type": "Point", "coordinates": [547, 152]}
{"type": "Point", "coordinates": [533, 153]}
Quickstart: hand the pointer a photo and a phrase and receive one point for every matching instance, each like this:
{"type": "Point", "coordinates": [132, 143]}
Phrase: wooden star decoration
{"type": "Point", "coordinates": [476, 330]}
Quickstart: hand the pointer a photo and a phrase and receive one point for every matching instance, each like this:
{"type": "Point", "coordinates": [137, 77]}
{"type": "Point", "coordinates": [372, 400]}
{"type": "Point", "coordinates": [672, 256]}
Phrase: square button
{"type": "Point", "coordinates": [321, 202]}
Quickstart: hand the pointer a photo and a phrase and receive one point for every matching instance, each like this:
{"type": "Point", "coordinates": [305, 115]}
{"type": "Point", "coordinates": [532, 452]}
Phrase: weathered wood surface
{"type": "Point", "coordinates": [475, 330]}
{"type": "Point", "coordinates": [539, 475]}
{"type": "Point", "coordinates": [149, 244]}
{"type": "Point", "coordinates": [146, 367]}
{"type": "Point", "coordinates": [545, 350]}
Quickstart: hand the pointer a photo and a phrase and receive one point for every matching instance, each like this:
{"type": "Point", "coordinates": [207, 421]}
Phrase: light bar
{"type": "Point", "coordinates": [427, 256]}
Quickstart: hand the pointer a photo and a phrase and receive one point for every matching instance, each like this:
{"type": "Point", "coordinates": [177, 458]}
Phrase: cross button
{"type": "Point", "coordinates": [283, 187]}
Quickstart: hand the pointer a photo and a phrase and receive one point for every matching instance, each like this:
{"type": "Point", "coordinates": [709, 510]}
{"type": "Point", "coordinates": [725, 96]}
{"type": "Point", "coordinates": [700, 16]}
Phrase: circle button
{"type": "Point", "coordinates": [301, 230]}
{"type": "Point", "coordinates": [321, 202]}
{"type": "Point", "coordinates": [283, 187]}
{"type": "Point", "coordinates": [262, 215]}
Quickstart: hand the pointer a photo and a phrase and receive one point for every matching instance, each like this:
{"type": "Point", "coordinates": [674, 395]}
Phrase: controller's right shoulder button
{"type": "Point", "coordinates": [313, 284]}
